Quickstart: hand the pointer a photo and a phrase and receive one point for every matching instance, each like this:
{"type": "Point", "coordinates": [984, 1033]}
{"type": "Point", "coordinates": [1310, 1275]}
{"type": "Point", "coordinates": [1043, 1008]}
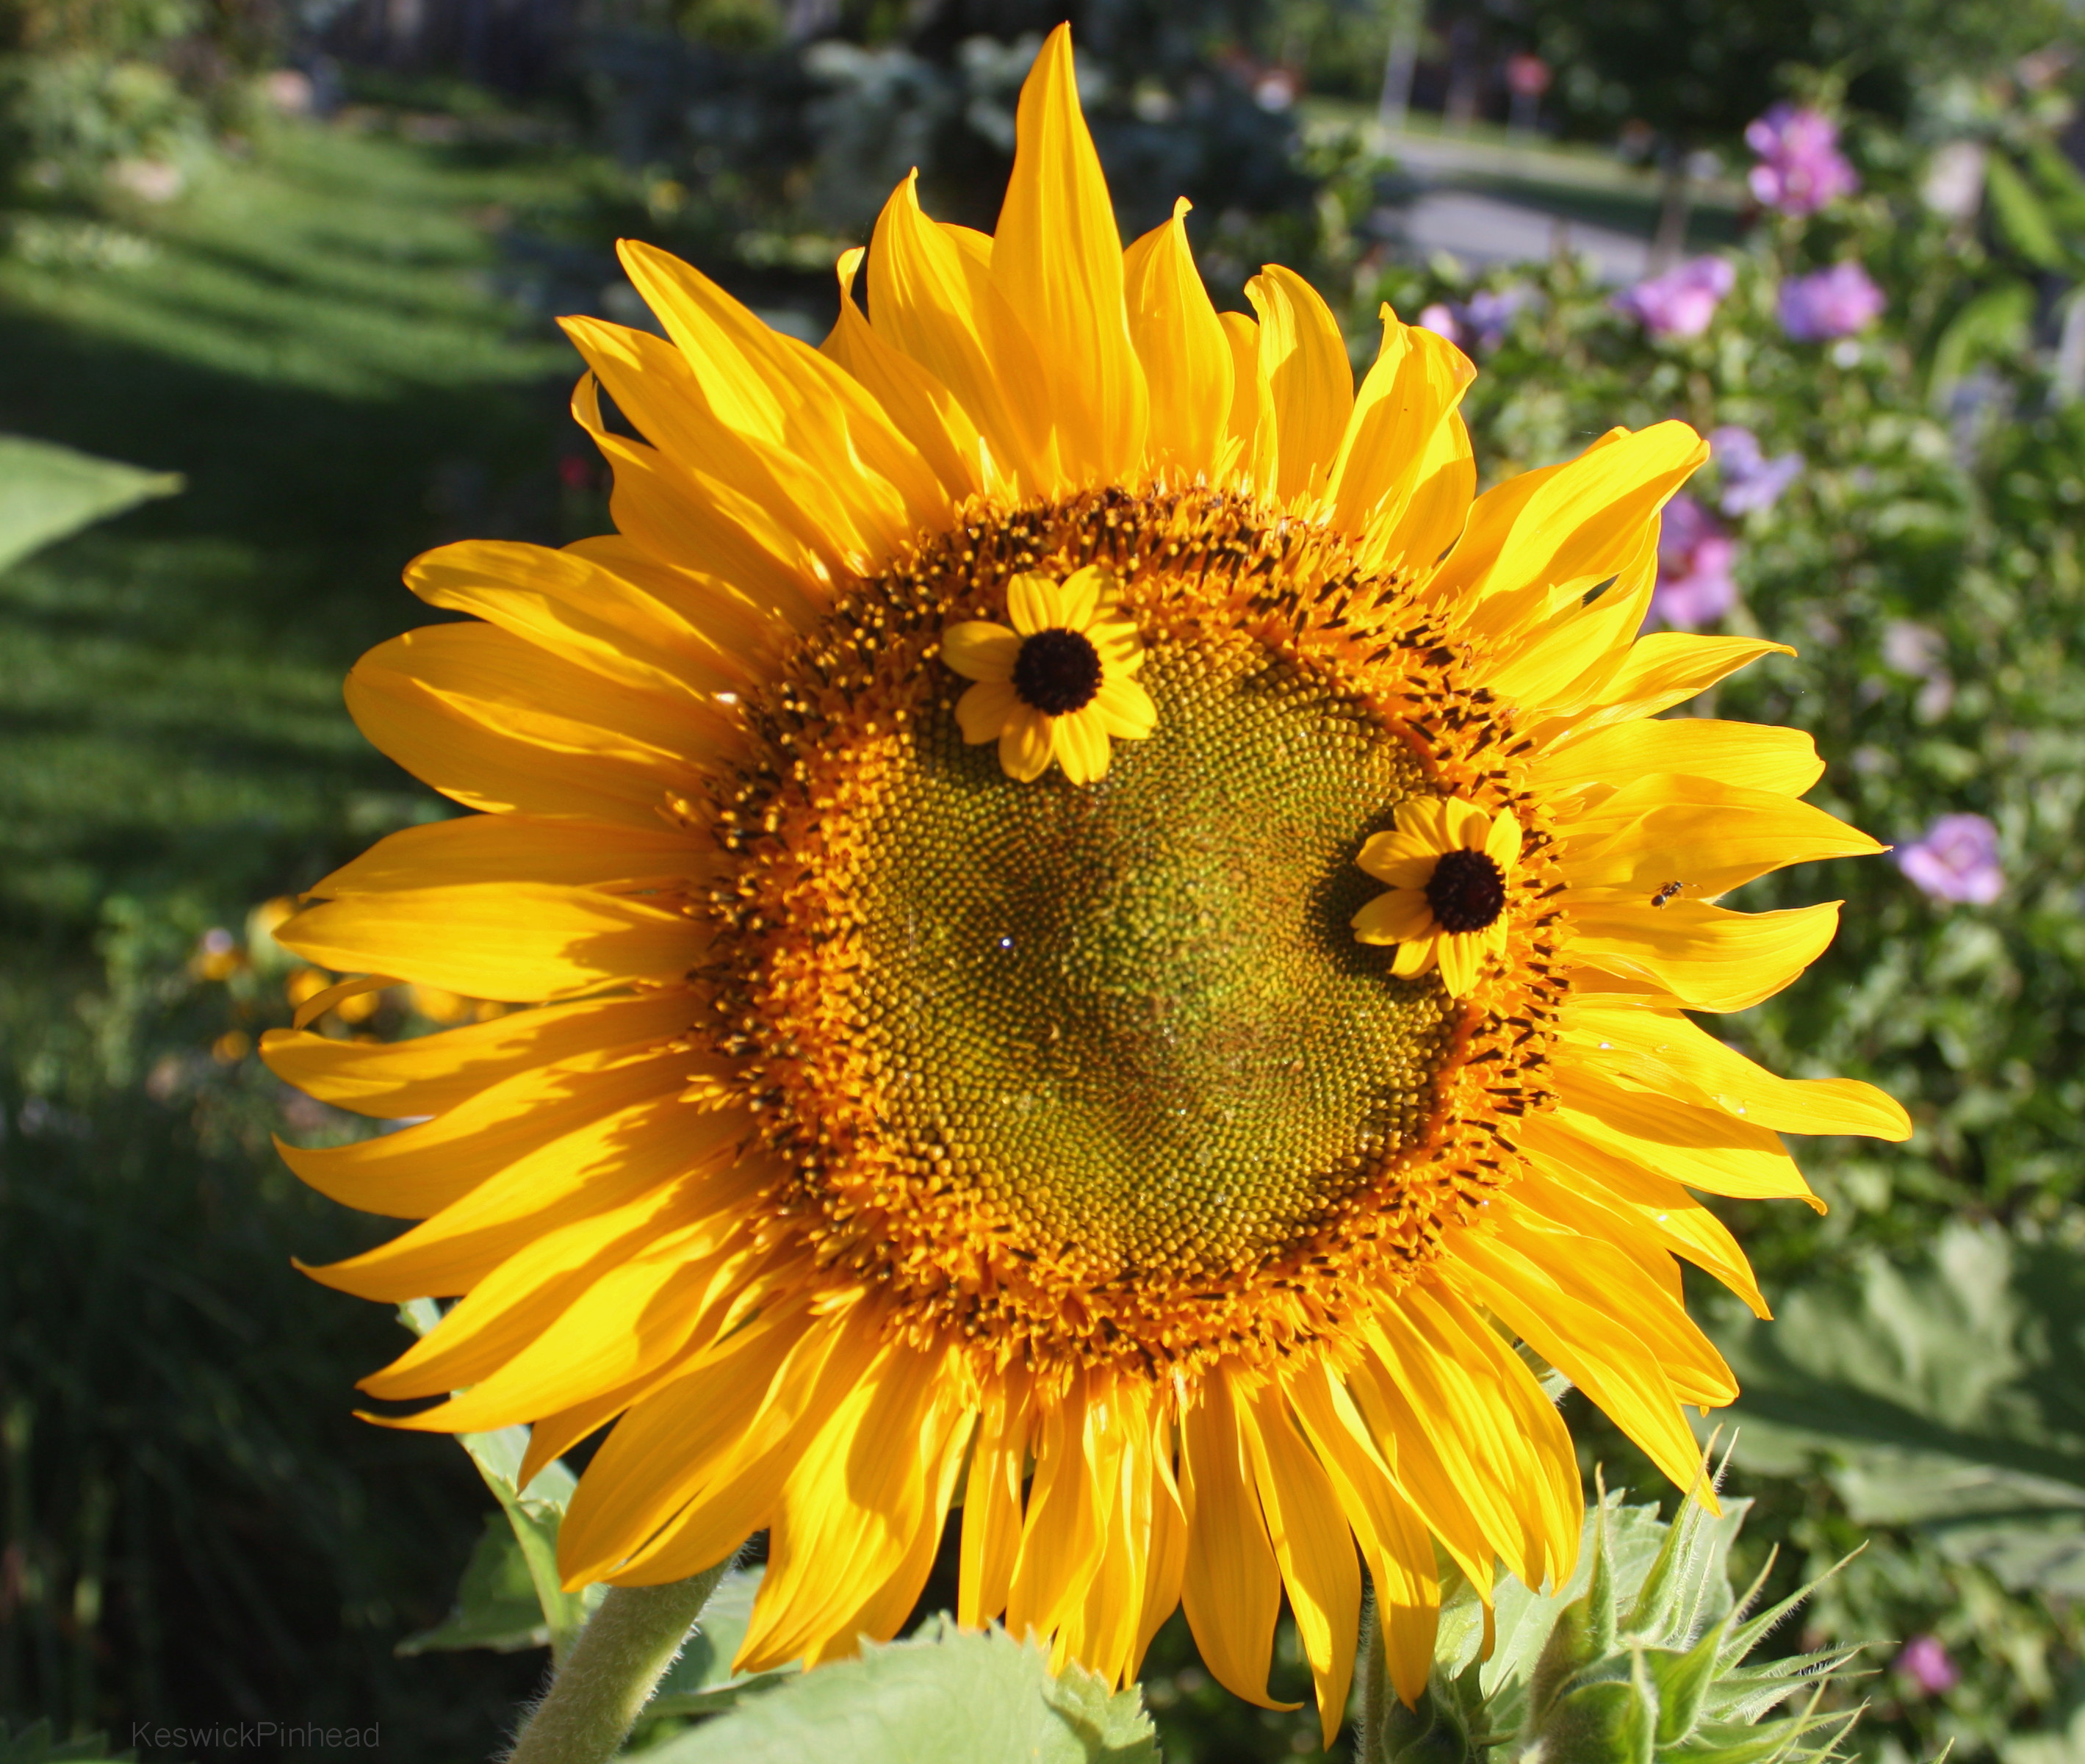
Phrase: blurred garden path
{"type": "Point", "coordinates": [1487, 197]}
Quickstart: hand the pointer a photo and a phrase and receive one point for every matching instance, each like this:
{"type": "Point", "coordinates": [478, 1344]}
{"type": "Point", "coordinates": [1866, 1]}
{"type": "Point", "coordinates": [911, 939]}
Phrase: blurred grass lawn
{"type": "Point", "coordinates": [197, 1530]}
{"type": "Point", "coordinates": [315, 344]}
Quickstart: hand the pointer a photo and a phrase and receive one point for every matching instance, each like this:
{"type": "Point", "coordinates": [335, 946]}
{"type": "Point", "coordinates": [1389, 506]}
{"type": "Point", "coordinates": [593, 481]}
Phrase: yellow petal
{"type": "Point", "coordinates": [1396, 917]}
{"type": "Point", "coordinates": [1461, 955]}
{"type": "Point", "coordinates": [1416, 957]}
{"type": "Point", "coordinates": [1531, 545]}
{"type": "Point", "coordinates": [1711, 836]}
{"type": "Point", "coordinates": [985, 711]}
{"type": "Point", "coordinates": [1125, 709]}
{"type": "Point", "coordinates": [1232, 1589]}
{"type": "Point", "coordinates": [1596, 1349]}
{"type": "Point", "coordinates": [432, 1074]}
{"type": "Point", "coordinates": [937, 303]}
{"type": "Point", "coordinates": [1706, 958]}
{"type": "Point", "coordinates": [1503, 841]}
{"type": "Point", "coordinates": [1665, 1052]}
{"type": "Point", "coordinates": [573, 606]}
{"type": "Point", "coordinates": [1393, 1537]}
{"type": "Point", "coordinates": [1706, 1149]}
{"type": "Point", "coordinates": [441, 703]}
{"type": "Point", "coordinates": [1080, 743]}
{"type": "Point", "coordinates": [1034, 603]}
{"type": "Point", "coordinates": [991, 1502]}
{"type": "Point", "coordinates": [1309, 379]}
{"type": "Point", "coordinates": [1056, 257]}
{"type": "Point", "coordinates": [1250, 439]}
{"type": "Point", "coordinates": [420, 1171]}
{"type": "Point", "coordinates": [516, 940]}
{"type": "Point", "coordinates": [790, 399]}
{"type": "Point", "coordinates": [1404, 474]}
{"type": "Point", "coordinates": [1313, 1545]}
{"type": "Point", "coordinates": [1753, 756]}
{"type": "Point", "coordinates": [922, 408]}
{"type": "Point", "coordinates": [1180, 342]}
{"type": "Point", "coordinates": [979, 650]}
{"type": "Point", "coordinates": [1025, 744]}
{"type": "Point", "coordinates": [521, 847]}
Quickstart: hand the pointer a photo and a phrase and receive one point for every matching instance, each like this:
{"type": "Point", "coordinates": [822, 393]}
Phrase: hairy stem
{"type": "Point", "coordinates": [1375, 1688]}
{"type": "Point", "coordinates": [612, 1670]}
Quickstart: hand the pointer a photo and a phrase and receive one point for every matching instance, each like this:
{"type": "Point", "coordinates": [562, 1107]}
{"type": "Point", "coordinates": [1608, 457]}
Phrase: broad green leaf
{"type": "Point", "coordinates": [496, 1605]}
{"type": "Point", "coordinates": [534, 1512]}
{"type": "Point", "coordinates": [1947, 1393]}
{"type": "Point", "coordinates": [47, 491]}
{"type": "Point", "coordinates": [2021, 216]}
{"type": "Point", "coordinates": [1995, 323]}
{"type": "Point", "coordinates": [701, 1681]}
{"type": "Point", "coordinates": [946, 1696]}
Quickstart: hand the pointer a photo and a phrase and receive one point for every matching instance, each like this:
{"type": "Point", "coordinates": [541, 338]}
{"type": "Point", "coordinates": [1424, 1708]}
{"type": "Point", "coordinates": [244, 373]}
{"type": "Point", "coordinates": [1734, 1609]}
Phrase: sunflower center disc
{"type": "Point", "coordinates": [1134, 1014]}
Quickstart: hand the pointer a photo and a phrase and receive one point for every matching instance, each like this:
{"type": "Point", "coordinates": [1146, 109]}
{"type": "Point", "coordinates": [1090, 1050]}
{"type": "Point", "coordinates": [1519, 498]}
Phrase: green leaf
{"type": "Point", "coordinates": [1995, 323]}
{"type": "Point", "coordinates": [47, 491]}
{"type": "Point", "coordinates": [2022, 219]}
{"type": "Point", "coordinates": [36, 1745]}
{"type": "Point", "coordinates": [534, 1513]}
{"type": "Point", "coordinates": [701, 1681]}
{"type": "Point", "coordinates": [1946, 1393]}
{"type": "Point", "coordinates": [496, 1605]}
{"type": "Point", "coordinates": [946, 1696]}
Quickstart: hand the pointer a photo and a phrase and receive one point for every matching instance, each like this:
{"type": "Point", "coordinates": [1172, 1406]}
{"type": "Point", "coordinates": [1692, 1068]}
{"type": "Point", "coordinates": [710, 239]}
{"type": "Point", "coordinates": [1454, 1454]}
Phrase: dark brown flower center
{"type": "Point", "coordinates": [1057, 672]}
{"type": "Point", "coordinates": [1466, 892]}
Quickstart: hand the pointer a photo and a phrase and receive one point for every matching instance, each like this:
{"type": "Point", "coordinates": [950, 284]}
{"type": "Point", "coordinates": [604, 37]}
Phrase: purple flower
{"type": "Point", "coordinates": [1957, 860]}
{"type": "Point", "coordinates": [1924, 1661]}
{"type": "Point", "coordinates": [1751, 481]}
{"type": "Point", "coordinates": [1801, 167]}
{"type": "Point", "coordinates": [1695, 587]}
{"type": "Point", "coordinates": [1490, 312]}
{"type": "Point", "coordinates": [1832, 303]}
{"type": "Point", "coordinates": [1681, 302]}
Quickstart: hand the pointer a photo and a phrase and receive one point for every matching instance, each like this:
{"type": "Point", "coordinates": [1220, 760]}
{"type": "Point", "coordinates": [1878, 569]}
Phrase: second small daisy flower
{"type": "Point", "coordinates": [1448, 863]}
{"type": "Point", "coordinates": [1060, 684]}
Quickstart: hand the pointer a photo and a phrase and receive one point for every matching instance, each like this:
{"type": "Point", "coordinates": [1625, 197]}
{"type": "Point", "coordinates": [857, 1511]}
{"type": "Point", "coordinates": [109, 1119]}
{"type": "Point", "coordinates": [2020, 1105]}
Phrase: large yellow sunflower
{"type": "Point", "coordinates": [1031, 1105]}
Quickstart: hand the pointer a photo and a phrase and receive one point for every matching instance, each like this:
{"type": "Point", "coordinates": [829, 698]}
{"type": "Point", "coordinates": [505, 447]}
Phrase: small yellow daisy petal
{"type": "Point", "coordinates": [1461, 956]}
{"type": "Point", "coordinates": [1414, 957]}
{"type": "Point", "coordinates": [1465, 824]}
{"type": "Point", "coordinates": [1396, 917]}
{"type": "Point", "coordinates": [1082, 594]}
{"type": "Point", "coordinates": [979, 650]}
{"type": "Point", "coordinates": [1125, 709]}
{"type": "Point", "coordinates": [1033, 603]}
{"type": "Point", "coordinates": [1502, 843]}
{"type": "Point", "coordinates": [984, 711]}
{"type": "Point", "coordinates": [1080, 743]}
{"type": "Point", "coordinates": [1025, 745]}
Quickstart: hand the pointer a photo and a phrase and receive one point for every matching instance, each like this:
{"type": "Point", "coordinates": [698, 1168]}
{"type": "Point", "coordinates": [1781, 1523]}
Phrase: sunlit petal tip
{"type": "Point", "coordinates": [979, 650]}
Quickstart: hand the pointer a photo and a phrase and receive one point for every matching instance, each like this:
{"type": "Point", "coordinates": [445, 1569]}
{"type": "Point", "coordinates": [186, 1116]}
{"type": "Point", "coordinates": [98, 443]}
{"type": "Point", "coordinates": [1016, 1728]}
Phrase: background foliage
{"type": "Point", "coordinates": [305, 256]}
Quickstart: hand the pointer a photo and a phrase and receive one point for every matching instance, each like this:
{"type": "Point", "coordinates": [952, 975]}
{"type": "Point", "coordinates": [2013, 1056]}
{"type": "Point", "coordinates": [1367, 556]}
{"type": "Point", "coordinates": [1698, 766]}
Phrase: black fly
{"type": "Point", "coordinates": [1666, 893]}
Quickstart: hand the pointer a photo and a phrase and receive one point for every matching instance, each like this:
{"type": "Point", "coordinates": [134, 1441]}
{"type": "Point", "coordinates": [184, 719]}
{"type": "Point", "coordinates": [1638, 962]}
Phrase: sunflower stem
{"type": "Point", "coordinates": [615, 1666]}
{"type": "Point", "coordinates": [1375, 1686]}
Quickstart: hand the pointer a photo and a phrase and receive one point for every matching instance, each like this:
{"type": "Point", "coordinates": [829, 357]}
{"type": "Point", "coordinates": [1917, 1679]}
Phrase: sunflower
{"type": "Point", "coordinates": [1183, 1157]}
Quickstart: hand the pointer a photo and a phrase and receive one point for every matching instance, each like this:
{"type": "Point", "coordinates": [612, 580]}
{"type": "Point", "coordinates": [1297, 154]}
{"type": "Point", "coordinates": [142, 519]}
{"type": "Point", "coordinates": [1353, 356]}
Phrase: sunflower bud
{"type": "Point", "coordinates": [1646, 1665]}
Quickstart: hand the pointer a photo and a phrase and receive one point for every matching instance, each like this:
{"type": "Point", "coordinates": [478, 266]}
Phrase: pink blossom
{"type": "Point", "coordinates": [1751, 481]}
{"type": "Point", "coordinates": [1832, 303]}
{"type": "Point", "coordinates": [1681, 302]}
{"type": "Point", "coordinates": [1957, 860]}
{"type": "Point", "coordinates": [1924, 1662]}
{"type": "Point", "coordinates": [1440, 318]}
{"type": "Point", "coordinates": [1695, 586]}
{"type": "Point", "coordinates": [1801, 169]}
